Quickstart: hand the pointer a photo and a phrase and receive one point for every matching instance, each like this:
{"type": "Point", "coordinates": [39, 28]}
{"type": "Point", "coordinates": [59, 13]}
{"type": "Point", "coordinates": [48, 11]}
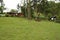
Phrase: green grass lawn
{"type": "Point", "coordinates": [13, 28]}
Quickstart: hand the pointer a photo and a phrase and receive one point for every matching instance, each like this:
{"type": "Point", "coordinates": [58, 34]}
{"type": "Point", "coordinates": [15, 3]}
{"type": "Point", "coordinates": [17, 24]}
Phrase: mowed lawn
{"type": "Point", "coordinates": [13, 28]}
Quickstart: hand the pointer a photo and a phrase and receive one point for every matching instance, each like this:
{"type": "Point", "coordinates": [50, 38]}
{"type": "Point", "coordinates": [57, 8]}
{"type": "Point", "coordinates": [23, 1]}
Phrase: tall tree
{"type": "Point", "coordinates": [25, 8]}
{"type": "Point", "coordinates": [29, 9]}
{"type": "Point", "coordinates": [2, 6]}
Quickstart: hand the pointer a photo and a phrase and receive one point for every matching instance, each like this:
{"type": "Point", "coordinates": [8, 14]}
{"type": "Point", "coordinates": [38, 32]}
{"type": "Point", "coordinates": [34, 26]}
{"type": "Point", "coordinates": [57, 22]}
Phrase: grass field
{"type": "Point", "coordinates": [13, 28]}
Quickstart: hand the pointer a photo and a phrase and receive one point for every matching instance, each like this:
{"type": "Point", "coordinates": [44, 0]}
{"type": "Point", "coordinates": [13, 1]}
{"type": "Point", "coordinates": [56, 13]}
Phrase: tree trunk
{"type": "Point", "coordinates": [29, 10]}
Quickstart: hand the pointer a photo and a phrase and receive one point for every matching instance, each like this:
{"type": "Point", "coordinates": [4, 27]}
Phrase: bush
{"type": "Point", "coordinates": [58, 19]}
{"type": "Point", "coordinates": [43, 17]}
{"type": "Point", "coordinates": [6, 15]}
{"type": "Point", "coordinates": [2, 15]}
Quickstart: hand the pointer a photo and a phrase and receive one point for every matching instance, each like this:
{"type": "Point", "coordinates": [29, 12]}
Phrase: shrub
{"type": "Point", "coordinates": [43, 17]}
{"type": "Point", "coordinates": [2, 15]}
{"type": "Point", "coordinates": [58, 19]}
{"type": "Point", "coordinates": [6, 15]}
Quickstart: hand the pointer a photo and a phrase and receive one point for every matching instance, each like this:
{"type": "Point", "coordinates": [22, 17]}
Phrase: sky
{"type": "Point", "coordinates": [11, 4]}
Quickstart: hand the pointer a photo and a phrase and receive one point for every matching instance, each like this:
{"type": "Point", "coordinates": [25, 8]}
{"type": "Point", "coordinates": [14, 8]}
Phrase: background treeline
{"type": "Point", "coordinates": [38, 8]}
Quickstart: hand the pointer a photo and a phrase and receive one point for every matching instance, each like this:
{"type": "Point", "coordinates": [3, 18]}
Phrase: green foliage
{"type": "Point", "coordinates": [32, 13]}
{"type": "Point", "coordinates": [43, 5]}
{"type": "Point", "coordinates": [58, 8]}
{"type": "Point", "coordinates": [24, 11]}
{"type": "Point", "coordinates": [49, 15]}
{"type": "Point", "coordinates": [43, 17]}
{"type": "Point", "coordinates": [58, 19]}
{"type": "Point", "coordinates": [13, 11]}
{"type": "Point", "coordinates": [47, 8]}
{"type": "Point", "coordinates": [1, 6]}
